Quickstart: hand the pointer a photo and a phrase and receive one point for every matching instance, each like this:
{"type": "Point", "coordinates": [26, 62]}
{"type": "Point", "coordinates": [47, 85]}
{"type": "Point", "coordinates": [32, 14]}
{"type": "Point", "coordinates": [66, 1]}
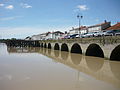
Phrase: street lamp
{"type": "Point", "coordinates": [79, 21]}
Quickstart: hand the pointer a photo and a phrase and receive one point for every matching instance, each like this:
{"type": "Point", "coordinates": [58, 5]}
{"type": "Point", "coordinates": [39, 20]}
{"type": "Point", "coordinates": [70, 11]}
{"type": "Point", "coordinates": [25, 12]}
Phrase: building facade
{"type": "Point", "coordinates": [99, 27]}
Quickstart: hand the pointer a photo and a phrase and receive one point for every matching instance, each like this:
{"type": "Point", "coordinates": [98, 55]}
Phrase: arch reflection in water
{"type": "Point", "coordinates": [64, 55]}
{"type": "Point", "coordinates": [76, 58]}
{"type": "Point", "coordinates": [56, 53]}
{"type": "Point", "coordinates": [94, 63]}
{"type": "Point", "coordinates": [115, 68]}
{"type": "Point", "coordinates": [44, 50]}
{"type": "Point", "coordinates": [23, 49]}
{"type": "Point", "coordinates": [41, 50]}
{"type": "Point", "coordinates": [49, 51]}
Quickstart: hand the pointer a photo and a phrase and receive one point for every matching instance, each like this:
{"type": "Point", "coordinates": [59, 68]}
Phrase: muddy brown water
{"type": "Point", "coordinates": [45, 69]}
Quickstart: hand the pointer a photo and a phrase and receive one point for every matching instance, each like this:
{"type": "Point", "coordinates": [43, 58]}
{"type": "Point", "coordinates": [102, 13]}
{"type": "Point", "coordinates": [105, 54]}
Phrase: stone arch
{"type": "Point", "coordinates": [41, 44]}
{"type": "Point", "coordinates": [115, 55]}
{"type": "Point", "coordinates": [49, 46]}
{"type": "Point", "coordinates": [45, 46]}
{"type": "Point", "coordinates": [64, 47]}
{"type": "Point", "coordinates": [56, 47]}
{"type": "Point", "coordinates": [76, 48]}
{"type": "Point", "coordinates": [94, 50]}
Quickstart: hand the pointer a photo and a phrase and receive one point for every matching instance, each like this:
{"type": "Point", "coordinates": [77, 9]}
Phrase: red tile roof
{"type": "Point", "coordinates": [115, 27]}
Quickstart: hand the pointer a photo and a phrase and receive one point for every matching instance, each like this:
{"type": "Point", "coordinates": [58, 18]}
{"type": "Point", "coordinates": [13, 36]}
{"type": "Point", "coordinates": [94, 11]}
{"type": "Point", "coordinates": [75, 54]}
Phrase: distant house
{"type": "Point", "coordinates": [36, 37]}
{"type": "Point", "coordinates": [81, 30]}
{"type": "Point", "coordinates": [43, 36]}
{"type": "Point", "coordinates": [57, 35]}
{"type": "Point", "coordinates": [49, 36]}
{"type": "Point", "coordinates": [114, 27]}
{"type": "Point", "coordinates": [28, 38]}
{"type": "Point", "coordinates": [99, 27]}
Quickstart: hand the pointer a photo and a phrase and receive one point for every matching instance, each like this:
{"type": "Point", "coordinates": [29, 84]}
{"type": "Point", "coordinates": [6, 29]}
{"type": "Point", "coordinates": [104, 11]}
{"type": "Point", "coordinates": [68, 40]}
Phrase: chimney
{"type": "Point", "coordinates": [72, 28]}
{"type": "Point", "coordinates": [105, 21]}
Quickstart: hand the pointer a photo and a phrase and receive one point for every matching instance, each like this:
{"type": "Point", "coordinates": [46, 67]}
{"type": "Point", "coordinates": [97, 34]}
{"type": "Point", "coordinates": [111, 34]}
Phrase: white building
{"type": "Point", "coordinates": [81, 30]}
{"type": "Point", "coordinates": [47, 36]}
{"type": "Point", "coordinates": [57, 35]}
{"type": "Point", "coordinates": [99, 27]}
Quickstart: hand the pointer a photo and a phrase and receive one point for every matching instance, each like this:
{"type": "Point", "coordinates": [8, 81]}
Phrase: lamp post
{"type": "Point", "coordinates": [79, 21]}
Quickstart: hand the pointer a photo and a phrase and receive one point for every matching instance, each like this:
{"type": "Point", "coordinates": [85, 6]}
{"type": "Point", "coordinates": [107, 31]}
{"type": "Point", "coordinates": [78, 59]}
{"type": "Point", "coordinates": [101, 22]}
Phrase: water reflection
{"type": "Point", "coordinates": [94, 63]}
{"type": "Point", "coordinates": [56, 53]}
{"type": "Point", "coordinates": [23, 49]}
{"type": "Point", "coordinates": [41, 50]}
{"type": "Point", "coordinates": [64, 55]}
{"type": "Point", "coordinates": [76, 58]}
{"type": "Point", "coordinates": [49, 52]}
{"type": "Point", "coordinates": [44, 50]}
{"type": "Point", "coordinates": [115, 68]}
{"type": "Point", "coordinates": [92, 66]}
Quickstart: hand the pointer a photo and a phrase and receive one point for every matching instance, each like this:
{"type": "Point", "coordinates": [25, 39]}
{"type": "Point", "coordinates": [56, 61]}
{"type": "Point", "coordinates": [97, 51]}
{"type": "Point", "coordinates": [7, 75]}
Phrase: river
{"type": "Point", "coordinates": [44, 69]}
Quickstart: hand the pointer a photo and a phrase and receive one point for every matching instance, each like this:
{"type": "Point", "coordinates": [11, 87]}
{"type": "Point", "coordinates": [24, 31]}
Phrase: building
{"type": "Point", "coordinates": [114, 27]}
{"type": "Point", "coordinates": [28, 38]}
{"type": "Point", "coordinates": [47, 36]}
{"type": "Point", "coordinates": [36, 37]}
{"type": "Point", "coordinates": [99, 27]}
{"type": "Point", "coordinates": [57, 35]}
{"type": "Point", "coordinates": [81, 30]}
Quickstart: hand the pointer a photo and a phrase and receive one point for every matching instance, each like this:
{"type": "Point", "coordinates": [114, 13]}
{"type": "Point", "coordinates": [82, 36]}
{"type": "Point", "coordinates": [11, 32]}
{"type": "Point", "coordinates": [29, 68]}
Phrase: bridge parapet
{"type": "Point", "coordinates": [105, 47]}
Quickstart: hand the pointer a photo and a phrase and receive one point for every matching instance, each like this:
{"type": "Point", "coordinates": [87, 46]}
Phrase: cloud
{"type": "Point", "coordinates": [10, 18]}
{"type": "Point", "coordinates": [82, 7]}
{"type": "Point", "coordinates": [1, 4]}
{"type": "Point", "coordinates": [22, 32]}
{"type": "Point", "coordinates": [10, 7]}
{"type": "Point", "coordinates": [25, 5]}
{"type": "Point", "coordinates": [97, 20]}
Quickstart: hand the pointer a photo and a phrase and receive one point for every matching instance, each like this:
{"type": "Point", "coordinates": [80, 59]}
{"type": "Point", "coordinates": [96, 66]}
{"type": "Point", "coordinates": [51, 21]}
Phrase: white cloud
{"type": "Point", "coordinates": [82, 7]}
{"type": "Point", "coordinates": [1, 4]}
{"type": "Point", "coordinates": [10, 7]}
{"type": "Point", "coordinates": [25, 5]}
{"type": "Point", "coordinates": [10, 18]}
{"type": "Point", "coordinates": [97, 20]}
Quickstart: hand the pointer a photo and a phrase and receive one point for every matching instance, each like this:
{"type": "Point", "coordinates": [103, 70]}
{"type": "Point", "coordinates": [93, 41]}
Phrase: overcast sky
{"type": "Point", "coordinates": [22, 18]}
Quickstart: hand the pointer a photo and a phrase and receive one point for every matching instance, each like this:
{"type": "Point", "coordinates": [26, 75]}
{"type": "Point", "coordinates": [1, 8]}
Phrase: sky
{"type": "Point", "coordinates": [22, 18]}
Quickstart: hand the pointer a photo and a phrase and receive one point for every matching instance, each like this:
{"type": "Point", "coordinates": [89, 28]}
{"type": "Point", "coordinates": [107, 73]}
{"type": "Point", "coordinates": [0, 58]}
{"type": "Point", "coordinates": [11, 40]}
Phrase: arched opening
{"type": "Point", "coordinates": [94, 50]}
{"type": "Point", "coordinates": [45, 46]}
{"type": "Point", "coordinates": [64, 47]}
{"type": "Point", "coordinates": [76, 49]}
{"type": "Point", "coordinates": [41, 44]}
{"type": "Point", "coordinates": [115, 55]}
{"type": "Point", "coordinates": [56, 47]}
{"type": "Point", "coordinates": [49, 46]}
